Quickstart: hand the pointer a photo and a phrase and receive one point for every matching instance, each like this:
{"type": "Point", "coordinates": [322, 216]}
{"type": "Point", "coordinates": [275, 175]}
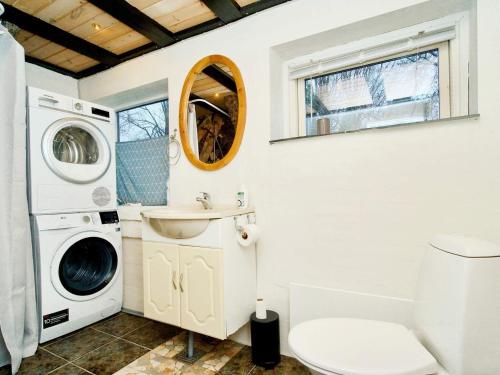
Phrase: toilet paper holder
{"type": "Point", "coordinates": [247, 233]}
{"type": "Point", "coordinates": [240, 222]}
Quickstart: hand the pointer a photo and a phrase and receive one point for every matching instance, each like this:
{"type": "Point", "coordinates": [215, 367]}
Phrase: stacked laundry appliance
{"type": "Point", "coordinates": [75, 225]}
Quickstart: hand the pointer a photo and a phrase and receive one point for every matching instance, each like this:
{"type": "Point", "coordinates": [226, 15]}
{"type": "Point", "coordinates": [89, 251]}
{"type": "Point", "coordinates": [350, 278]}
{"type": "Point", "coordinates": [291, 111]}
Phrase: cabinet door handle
{"type": "Point", "coordinates": [180, 283]}
{"type": "Point", "coordinates": [173, 280]}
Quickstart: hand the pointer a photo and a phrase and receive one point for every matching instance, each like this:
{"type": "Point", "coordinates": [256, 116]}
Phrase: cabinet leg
{"type": "Point", "coordinates": [190, 345]}
{"type": "Point", "coordinates": [191, 354]}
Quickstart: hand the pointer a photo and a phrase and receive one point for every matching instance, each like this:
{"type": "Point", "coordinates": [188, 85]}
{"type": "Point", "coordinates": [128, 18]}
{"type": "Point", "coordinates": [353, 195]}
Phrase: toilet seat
{"type": "Point", "coordinates": [345, 346]}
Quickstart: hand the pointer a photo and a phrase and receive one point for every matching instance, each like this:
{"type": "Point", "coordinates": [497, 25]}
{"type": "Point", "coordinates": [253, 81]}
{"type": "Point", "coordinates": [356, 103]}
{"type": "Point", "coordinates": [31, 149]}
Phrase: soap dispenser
{"type": "Point", "coordinates": [242, 197]}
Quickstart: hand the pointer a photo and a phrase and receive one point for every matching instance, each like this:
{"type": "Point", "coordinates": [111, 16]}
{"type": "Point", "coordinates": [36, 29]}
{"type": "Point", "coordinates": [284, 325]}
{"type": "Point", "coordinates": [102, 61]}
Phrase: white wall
{"type": "Point", "coordinates": [351, 211]}
{"type": "Point", "coordinates": [51, 81]}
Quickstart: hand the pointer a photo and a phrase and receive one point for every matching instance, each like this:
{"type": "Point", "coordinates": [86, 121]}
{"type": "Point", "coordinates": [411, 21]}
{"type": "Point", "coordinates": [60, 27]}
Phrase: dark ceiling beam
{"type": "Point", "coordinates": [91, 71]}
{"type": "Point", "coordinates": [226, 10]}
{"type": "Point", "coordinates": [136, 52]}
{"type": "Point", "coordinates": [260, 5]}
{"type": "Point", "coordinates": [137, 20]}
{"type": "Point", "coordinates": [199, 29]}
{"type": "Point", "coordinates": [47, 65]}
{"type": "Point", "coordinates": [181, 35]}
{"type": "Point", "coordinates": [54, 34]}
{"type": "Point", "coordinates": [221, 77]}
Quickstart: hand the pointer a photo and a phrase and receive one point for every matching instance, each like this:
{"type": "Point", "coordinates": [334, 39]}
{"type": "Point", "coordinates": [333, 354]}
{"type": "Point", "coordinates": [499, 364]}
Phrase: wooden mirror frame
{"type": "Point", "coordinates": [183, 111]}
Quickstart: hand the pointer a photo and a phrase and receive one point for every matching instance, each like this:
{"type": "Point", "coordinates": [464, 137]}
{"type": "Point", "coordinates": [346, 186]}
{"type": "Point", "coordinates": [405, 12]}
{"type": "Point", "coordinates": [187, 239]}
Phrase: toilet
{"type": "Point", "coordinates": [457, 308]}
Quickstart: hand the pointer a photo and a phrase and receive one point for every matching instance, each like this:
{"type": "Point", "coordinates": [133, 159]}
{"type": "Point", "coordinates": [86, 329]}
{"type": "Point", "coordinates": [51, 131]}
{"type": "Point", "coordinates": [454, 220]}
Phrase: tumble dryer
{"type": "Point", "coordinates": [71, 154]}
{"type": "Point", "coordinates": [78, 270]}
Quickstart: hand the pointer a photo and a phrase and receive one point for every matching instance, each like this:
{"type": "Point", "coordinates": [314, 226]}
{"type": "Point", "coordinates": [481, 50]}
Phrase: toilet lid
{"type": "Point", "coordinates": [360, 347]}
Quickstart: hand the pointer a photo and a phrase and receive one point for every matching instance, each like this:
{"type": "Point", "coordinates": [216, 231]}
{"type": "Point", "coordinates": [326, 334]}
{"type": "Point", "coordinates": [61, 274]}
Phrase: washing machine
{"type": "Point", "coordinates": [71, 154]}
{"type": "Point", "coordinates": [78, 270]}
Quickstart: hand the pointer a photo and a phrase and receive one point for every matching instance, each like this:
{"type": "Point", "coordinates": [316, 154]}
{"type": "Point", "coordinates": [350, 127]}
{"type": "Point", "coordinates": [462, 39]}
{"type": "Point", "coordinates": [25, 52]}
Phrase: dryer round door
{"type": "Point", "coordinates": [76, 150]}
{"type": "Point", "coordinates": [86, 266]}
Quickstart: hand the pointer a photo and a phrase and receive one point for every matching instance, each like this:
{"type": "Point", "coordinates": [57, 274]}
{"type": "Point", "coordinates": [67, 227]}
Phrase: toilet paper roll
{"type": "Point", "coordinates": [260, 309]}
{"type": "Point", "coordinates": [248, 235]}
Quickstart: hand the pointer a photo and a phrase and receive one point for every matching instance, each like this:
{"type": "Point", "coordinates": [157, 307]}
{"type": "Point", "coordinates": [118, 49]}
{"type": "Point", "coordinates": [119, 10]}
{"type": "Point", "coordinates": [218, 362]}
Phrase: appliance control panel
{"type": "Point", "coordinates": [41, 98]}
{"type": "Point", "coordinates": [109, 217]}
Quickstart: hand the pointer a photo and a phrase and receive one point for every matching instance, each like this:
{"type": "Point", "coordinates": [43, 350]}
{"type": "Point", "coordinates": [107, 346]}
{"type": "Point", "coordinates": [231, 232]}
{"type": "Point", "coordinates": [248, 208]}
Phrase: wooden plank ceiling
{"type": "Point", "coordinates": [83, 37]}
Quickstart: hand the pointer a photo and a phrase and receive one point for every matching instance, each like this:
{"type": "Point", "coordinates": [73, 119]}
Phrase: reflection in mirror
{"type": "Point", "coordinates": [212, 112]}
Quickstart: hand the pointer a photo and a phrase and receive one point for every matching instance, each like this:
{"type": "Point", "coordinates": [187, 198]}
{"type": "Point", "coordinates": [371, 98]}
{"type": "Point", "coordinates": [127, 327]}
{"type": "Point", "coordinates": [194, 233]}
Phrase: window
{"type": "Point", "coordinates": [142, 154]}
{"type": "Point", "coordinates": [414, 74]}
{"type": "Point", "coordinates": [144, 122]}
{"type": "Point", "coordinates": [402, 89]}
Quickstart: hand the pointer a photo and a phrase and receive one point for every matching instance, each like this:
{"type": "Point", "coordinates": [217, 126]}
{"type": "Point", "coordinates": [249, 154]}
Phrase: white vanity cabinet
{"type": "Point", "coordinates": [162, 300]}
{"type": "Point", "coordinates": [202, 290]}
{"type": "Point", "coordinates": [205, 284]}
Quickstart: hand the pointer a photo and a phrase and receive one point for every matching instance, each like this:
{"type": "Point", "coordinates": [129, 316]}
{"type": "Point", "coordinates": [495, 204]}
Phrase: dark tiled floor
{"type": "Point", "coordinates": [131, 345]}
{"type": "Point", "coordinates": [121, 324]}
{"type": "Point", "coordinates": [152, 334]}
{"type": "Point", "coordinates": [41, 363]}
{"type": "Point", "coordinates": [73, 347]}
{"type": "Point", "coordinates": [241, 364]}
{"type": "Point", "coordinates": [69, 369]}
{"type": "Point", "coordinates": [98, 349]}
{"type": "Point", "coordinates": [111, 357]}
{"type": "Point", "coordinates": [288, 366]}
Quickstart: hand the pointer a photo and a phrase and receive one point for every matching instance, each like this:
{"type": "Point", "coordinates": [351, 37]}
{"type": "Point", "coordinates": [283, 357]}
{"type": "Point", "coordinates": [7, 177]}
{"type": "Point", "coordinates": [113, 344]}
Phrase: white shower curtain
{"type": "Point", "coordinates": [193, 129]}
{"type": "Point", "coordinates": [18, 318]}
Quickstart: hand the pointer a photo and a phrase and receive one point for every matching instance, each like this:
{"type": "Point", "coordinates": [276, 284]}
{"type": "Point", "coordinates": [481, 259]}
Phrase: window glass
{"type": "Point", "coordinates": [391, 92]}
{"type": "Point", "coordinates": [145, 122]}
{"type": "Point", "coordinates": [142, 168]}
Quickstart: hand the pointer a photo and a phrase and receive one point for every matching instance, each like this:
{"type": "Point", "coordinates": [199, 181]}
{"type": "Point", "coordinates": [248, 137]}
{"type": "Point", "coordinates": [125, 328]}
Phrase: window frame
{"type": "Point", "coordinates": [135, 106]}
{"type": "Point", "coordinates": [453, 29]}
{"type": "Point", "coordinates": [298, 85]}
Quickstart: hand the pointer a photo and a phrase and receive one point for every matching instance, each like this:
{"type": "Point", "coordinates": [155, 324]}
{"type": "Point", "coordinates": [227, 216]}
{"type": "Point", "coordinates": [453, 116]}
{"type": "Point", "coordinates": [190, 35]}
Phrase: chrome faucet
{"type": "Point", "coordinates": [205, 200]}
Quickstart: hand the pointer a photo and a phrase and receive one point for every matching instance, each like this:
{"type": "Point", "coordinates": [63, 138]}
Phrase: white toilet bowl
{"type": "Point", "coordinates": [456, 316]}
{"type": "Point", "coordinates": [342, 346]}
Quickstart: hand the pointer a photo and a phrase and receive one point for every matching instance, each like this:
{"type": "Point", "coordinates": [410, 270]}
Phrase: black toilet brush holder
{"type": "Point", "coordinates": [265, 335]}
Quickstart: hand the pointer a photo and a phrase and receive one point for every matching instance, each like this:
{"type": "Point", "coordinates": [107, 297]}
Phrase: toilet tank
{"type": "Point", "coordinates": [458, 305]}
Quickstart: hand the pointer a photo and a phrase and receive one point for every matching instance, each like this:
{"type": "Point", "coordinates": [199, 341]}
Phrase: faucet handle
{"type": "Point", "coordinates": [205, 195]}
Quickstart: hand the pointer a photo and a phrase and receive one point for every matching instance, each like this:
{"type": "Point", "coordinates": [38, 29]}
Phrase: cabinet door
{"type": "Point", "coordinates": [161, 287]}
{"type": "Point", "coordinates": [201, 283]}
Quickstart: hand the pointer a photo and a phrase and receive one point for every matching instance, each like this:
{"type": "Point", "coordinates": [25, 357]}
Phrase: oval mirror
{"type": "Point", "coordinates": [212, 112]}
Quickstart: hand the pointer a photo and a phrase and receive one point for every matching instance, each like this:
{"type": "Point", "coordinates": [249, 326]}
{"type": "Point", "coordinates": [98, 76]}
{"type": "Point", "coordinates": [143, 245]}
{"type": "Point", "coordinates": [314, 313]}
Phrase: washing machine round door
{"type": "Point", "coordinates": [86, 266]}
{"type": "Point", "coordinates": [76, 150]}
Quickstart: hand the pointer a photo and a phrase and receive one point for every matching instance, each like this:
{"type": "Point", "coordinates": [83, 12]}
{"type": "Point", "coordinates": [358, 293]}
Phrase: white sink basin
{"type": "Point", "coordinates": [187, 221]}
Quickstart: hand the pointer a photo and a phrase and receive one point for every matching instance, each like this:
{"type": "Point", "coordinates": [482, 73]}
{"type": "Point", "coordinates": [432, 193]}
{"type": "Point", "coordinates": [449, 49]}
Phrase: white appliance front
{"type": "Point", "coordinates": [71, 154]}
{"type": "Point", "coordinates": [78, 270]}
